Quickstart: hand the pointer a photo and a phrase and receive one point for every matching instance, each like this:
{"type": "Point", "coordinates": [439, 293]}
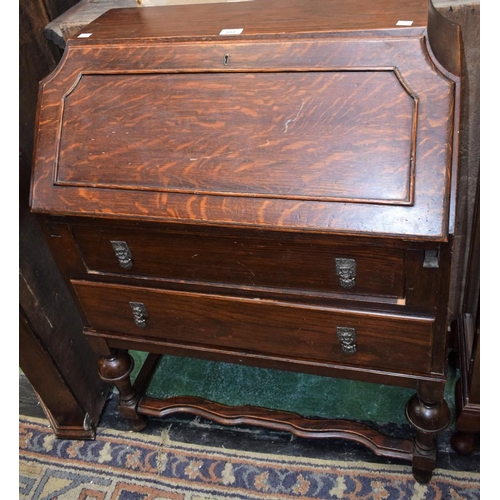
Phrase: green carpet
{"type": "Point", "coordinates": [308, 395]}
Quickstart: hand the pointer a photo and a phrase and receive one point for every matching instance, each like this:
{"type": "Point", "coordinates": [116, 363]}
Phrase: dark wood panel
{"type": "Point", "coordinates": [279, 16]}
{"type": "Point", "coordinates": [466, 331]}
{"type": "Point", "coordinates": [467, 14]}
{"type": "Point", "coordinates": [422, 284]}
{"type": "Point", "coordinates": [36, 60]}
{"type": "Point", "coordinates": [322, 368]}
{"type": "Point", "coordinates": [467, 389]}
{"type": "Point", "coordinates": [253, 260]}
{"type": "Point", "coordinates": [60, 353]}
{"type": "Point", "coordinates": [261, 326]}
{"type": "Point", "coordinates": [68, 419]}
{"type": "Point", "coordinates": [274, 135]}
{"type": "Point", "coordinates": [433, 150]}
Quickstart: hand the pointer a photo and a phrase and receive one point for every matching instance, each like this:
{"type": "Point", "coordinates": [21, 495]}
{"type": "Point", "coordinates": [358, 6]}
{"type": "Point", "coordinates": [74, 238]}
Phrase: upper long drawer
{"type": "Point", "coordinates": [282, 262]}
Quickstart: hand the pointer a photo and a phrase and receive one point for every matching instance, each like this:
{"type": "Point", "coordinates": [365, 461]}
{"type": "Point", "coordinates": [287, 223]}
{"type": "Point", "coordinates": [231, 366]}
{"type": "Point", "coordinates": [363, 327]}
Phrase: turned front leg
{"type": "Point", "coordinates": [429, 414]}
{"type": "Point", "coordinates": [116, 369]}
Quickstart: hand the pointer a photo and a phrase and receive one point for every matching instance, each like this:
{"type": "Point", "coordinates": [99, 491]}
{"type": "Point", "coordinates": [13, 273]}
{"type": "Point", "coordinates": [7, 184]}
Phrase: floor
{"type": "Point", "coordinates": [200, 431]}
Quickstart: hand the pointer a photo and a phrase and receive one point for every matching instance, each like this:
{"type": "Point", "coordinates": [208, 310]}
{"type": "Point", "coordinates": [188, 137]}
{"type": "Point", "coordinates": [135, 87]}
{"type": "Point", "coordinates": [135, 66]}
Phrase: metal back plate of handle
{"type": "Point", "coordinates": [140, 313]}
{"type": "Point", "coordinates": [346, 271]}
{"type": "Point", "coordinates": [347, 337]}
{"type": "Point", "coordinates": [123, 253]}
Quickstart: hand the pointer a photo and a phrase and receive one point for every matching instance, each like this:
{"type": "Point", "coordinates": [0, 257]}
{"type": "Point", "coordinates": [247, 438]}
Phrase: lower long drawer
{"type": "Point", "coordinates": [292, 331]}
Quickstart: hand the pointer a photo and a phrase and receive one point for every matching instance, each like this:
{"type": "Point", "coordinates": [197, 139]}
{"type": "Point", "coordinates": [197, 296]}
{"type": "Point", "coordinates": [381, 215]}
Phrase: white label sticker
{"type": "Point", "coordinates": [84, 35]}
{"type": "Point", "coordinates": [237, 31]}
{"type": "Point", "coordinates": [404, 23]}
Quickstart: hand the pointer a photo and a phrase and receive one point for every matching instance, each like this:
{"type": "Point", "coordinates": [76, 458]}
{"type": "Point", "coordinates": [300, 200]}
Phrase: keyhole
{"type": "Point", "coordinates": [226, 59]}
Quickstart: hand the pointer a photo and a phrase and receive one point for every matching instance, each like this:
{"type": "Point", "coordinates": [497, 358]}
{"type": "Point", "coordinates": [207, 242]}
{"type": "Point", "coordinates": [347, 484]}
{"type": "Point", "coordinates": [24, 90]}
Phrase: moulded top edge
{"type": "Point", "coordinates": [249, 36]}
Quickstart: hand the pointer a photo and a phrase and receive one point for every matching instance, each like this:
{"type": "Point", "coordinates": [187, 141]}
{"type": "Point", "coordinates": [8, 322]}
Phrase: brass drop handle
{"type": "Point", "coordinates": [123, 253]}
{"type": "Point", "coordinates": [346, 271]}
{"type": "Point", "coordinates": [140, 313]}
{"type": "Point", "coordinates": [347, 338]}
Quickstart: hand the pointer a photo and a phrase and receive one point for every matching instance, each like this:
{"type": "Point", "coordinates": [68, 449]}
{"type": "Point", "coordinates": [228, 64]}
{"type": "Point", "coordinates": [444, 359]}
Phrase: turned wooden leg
{"type": "Point", "coordinates": [116, 369]}
{"type": "Point", "coordinates": [463, 442]}
{"type": "Point", "coordinates": [429, 414]}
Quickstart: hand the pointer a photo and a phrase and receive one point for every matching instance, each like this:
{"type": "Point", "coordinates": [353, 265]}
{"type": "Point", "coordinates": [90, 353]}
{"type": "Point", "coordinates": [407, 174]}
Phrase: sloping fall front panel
{"type": "Point", "coordinates": [321, 135]}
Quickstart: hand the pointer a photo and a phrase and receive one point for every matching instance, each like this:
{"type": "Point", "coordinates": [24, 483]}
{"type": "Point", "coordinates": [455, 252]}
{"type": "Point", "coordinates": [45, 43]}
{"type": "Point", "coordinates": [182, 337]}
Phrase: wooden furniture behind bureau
{"type": "Point", "coordinates": [53, 355]}
{"type": "Point", "coordinates": [466, 339]}
{"type": "Point", "coordinates": [269, 183]}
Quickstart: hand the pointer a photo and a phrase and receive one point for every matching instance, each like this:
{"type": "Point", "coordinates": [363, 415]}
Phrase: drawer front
{"type": "Point", "coordinates": [281, 329]}
{"type": "Point", "coordinates": [282, 261]}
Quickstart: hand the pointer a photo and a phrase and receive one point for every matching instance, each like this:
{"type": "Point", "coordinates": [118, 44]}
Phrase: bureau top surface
{"type": "Point", "coordinates": [260, 18]}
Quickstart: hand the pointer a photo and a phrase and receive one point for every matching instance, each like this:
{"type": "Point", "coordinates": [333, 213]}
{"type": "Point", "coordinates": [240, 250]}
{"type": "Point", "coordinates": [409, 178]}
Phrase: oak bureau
{"type": "Point", "coordinates": [268, 183]}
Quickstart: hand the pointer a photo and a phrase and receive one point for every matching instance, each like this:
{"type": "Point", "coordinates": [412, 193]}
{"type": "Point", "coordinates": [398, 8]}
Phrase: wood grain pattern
{"type": "Point", "coordinates": [260, 326]}
{"type": "Point", "coordinates": [65, 413]}
{"type": "Point", "coordinates": [261, 18]}
{"type": "Point", "coordinates": [246, 134]}
{"type": "Point", "coordinates": [236, 172]}
{"type": "Point", "coordinates": [213, 353]}
{"type": "Point", "coordinates": [427, 217]}
{"type": "Point", "coordinates": [53, 353]}
{"type": "Point", "coordinates": [248, 259]}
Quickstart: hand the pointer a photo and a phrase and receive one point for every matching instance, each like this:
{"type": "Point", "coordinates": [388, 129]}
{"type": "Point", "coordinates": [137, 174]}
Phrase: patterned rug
{"type": "Point", "coordinates": [134, 466]}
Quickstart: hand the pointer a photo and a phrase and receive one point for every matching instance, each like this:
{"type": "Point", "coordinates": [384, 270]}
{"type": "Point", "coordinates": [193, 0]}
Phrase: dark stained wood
{"type": "Point", "coordinates": [260, 18]}
{"type": "Point", "coordinates": [426, 165]}
{"type": "Point", "coordinates": [466, 331]}
{"type": "Point", "coordinates": [261, 326]}
{"type": "Point", "coordinates": [313, 367]}
{"type": "Point", "coordinates": [85, 11]}
{"type": "Point", "coordinates": [116, 369]}
{"type": "Point", "coordinates": [279, 420]}
{"type": "Point", "coordinates": [284, 126]}
{"type": "Point", "coordinates": [429, 414]}
{"type": "Point", "coordinates": [36, 61]}
{"type": "Point", "coordinates": [467, 390]}
{"type": "Point", "coordinates": [271, 199]}
{"type": "Point", "coordinates": [55, 357]}
{"type": "Point", "coordinates": [242, 259]}
{"type": "Point", "coordinates": [66, 416]}
{"type": "Point", "coordinates": [146, 373]}
{"type": "Point", "coordinates": [467, 15]}
{"type": "Point", "coordinates": [445, 37]}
